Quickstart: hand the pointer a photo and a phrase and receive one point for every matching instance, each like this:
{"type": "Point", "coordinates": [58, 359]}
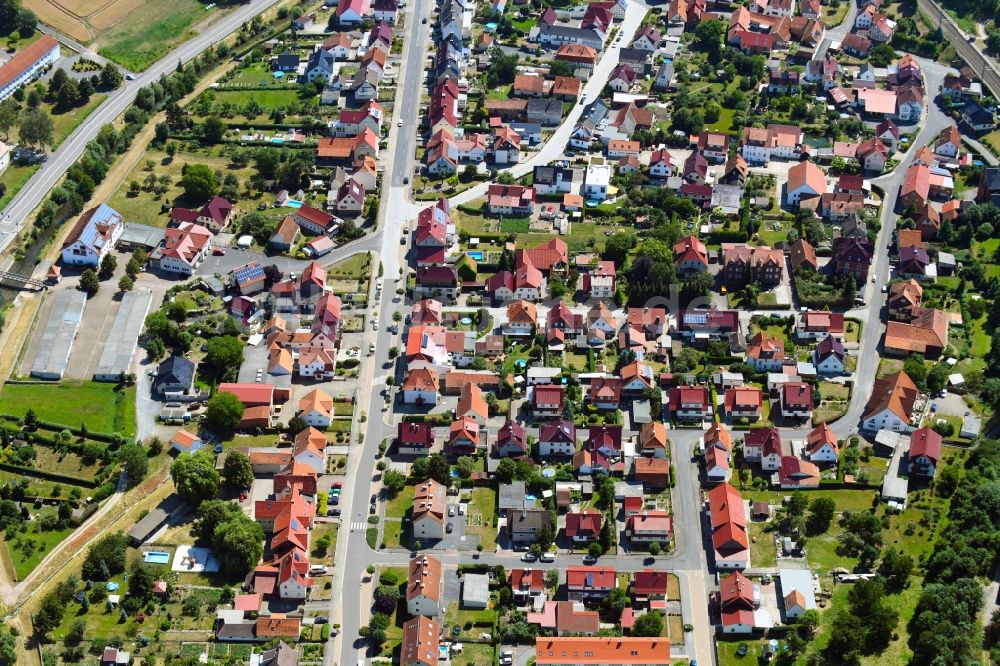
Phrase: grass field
{"type": "Point", "coordinates": [14, 177]}
{"type": "Point", "coordinates": [43, 541]}
{"type": "Point", "coordinates": [64, 123]}
{"type": "Point", "coordinates": [143, 37]}
{"type": "Point", "coordinates": [762, 549]}
{"type": "Point", "coordinates": [268, 100]}
{"type": "Point", "coordinates": [483, 505]}
{"type": "Point", "coordinates": [72, 403]}
{"type": "Point", "coordinates": [724, 123]}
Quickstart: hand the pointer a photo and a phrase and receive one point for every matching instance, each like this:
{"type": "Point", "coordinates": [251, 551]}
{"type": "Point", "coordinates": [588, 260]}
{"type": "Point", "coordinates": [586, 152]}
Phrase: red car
{"type": "Point", "coordinates": [219, 252]}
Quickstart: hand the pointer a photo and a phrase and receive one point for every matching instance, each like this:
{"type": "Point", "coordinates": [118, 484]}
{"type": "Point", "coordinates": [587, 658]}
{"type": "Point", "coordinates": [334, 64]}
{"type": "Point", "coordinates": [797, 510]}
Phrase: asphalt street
{"type": "Point", "coordinates": [17, 212]}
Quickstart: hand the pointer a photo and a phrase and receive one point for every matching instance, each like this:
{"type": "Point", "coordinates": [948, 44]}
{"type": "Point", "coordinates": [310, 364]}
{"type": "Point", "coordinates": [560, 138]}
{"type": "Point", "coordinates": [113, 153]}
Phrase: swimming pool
{"type": "Point", "coordinates": [475, 254]}
{"type": "Point", "coordinates": [293, 203]}
{"type": "Point", "coordinates": [156, 557]}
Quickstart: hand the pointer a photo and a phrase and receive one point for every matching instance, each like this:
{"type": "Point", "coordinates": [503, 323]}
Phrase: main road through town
{"type": "Point", "coordinates": [18, 211]}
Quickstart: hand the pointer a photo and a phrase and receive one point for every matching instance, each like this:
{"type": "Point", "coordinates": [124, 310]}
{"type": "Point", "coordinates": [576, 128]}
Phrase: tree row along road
{"type": "Point", "coordinates": [17, 213]}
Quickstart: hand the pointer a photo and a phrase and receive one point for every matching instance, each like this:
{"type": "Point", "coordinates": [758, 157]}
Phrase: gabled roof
{"type": "Point", "coordinates": [896, 392]}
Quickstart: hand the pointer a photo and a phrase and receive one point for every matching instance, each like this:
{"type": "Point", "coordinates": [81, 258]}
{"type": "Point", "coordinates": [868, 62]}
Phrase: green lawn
{"type": "Point", "coordinates": [268, 100]}
{"type": "Point", "coordinates": [980, 339]}
{"type": "Point", "coordinates": [64, 123]}
{"type": "Point", "coordinates": [726, 651]}
{"type": "Point", "coordinates": [724, 123]}
{"type": "Point", "coordinates": [762, 551]}
{"type": "Point", "coordinates": [474, 654]}
{"type": "Point", "coordinates": [142, 37]}
{"type": "Point", "coordinates": [481, 620]}
{"type": "Point", "coordinates": [483, 505]}
{"type": "Point", "coordinates": [401, 504]}
{"type": "Point", "coordinates": [43, 542]}
{"type": "Point", "coordinates": [73, 403]}
{"type": "Point", "coordinates": [14, 177]}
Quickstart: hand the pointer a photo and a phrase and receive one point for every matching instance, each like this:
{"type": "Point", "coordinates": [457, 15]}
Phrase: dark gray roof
{"type": "Point", "coordinates": [288, 60]}
{"type": "Point", "coordinates": [546, 175]}
{"type": "Point", "coordinates": [991, 179]}
{"type": "Point", "coordinates": [541, 105]}
{"type": "Point", "coordinates": [175, 370]}
{"type": "Point", "coordinates": [977, 115]}
{"type": "Point", "coordinates": [237, 632]}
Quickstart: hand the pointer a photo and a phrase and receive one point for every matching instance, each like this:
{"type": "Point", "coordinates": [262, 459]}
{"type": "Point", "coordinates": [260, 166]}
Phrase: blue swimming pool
{"type": "Point", "coordinates": [475, 254]}
{"type": "Point", "coordinates": [156, 557]}
{"type": "Point", "coordinates": [293, 203]}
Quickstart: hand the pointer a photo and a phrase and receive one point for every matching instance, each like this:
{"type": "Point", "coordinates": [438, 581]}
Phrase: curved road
{"type": "Point", "coordinates": [16, 214]}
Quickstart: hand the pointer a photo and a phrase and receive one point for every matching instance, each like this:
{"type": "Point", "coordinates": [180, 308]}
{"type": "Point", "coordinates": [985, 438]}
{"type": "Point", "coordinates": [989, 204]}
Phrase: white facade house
{"type": "Point", "coordinates": [93, 237]}
{"type": "Point", "coordinates": [597, 181]}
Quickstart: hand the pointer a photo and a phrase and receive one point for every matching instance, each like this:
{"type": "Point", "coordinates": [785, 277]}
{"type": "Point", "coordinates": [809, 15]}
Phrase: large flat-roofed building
{"type": "Point", "coordinates": [119, 345]}
{"type": "Point", "coordinates": [59, 334]}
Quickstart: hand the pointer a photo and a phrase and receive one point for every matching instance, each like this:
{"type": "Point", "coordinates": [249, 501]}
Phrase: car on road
{"type": "Point", "coordinates": [589, 559]}
{"type": "Point", "coordinates": [449, 528]}
{"type": "Point", "coordinates": [333, 512]}
{"type": "Point", "coordinates": [451, 510]}
{"type": "Point", "coordinates": [219, 252]}
{"type": "Point", "coordinates": [399, 123]}
{"type": "Point", "coordinates": [402, 240]}
{"type": "Point", "coordinates": [375, 323]}
{"type": "Point", "coordinates": [130, 77]}
{"type": "Point", "coordinates": [424, 21]}
{"type": "Point", "coordinates": [321, 620]}
{"type": "Point", "coordinates": [371, 349]}
{"type": "Point", "coordinates": [528, 557]}
{"type": "Point", "coordinates": [548, 557]}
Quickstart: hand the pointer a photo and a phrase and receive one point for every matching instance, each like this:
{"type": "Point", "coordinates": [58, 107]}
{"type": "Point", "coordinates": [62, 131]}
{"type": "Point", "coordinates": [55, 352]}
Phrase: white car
{"type": "Point", "coordinates": [375, 323]}
{"type": "Point", "coordinates": [371, 348]}
{"type": "Point", "coordinates": [399, 123]}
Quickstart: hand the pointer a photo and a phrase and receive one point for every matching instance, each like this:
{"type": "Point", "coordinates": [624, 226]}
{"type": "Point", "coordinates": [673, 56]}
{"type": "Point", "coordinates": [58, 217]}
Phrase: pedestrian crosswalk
{"type": "Point", "coordinates": [358, 525]}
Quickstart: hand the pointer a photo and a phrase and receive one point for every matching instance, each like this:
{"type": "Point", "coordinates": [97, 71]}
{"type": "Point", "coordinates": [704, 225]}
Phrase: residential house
{"type": "Point", "coordinates": [891, 404]}
{"type": "Point", "coordinates": [648, 527]}
{"type": "Point", "coordinates": [428, 517]}
{"type": "Point", "coordinates": [763, 446]}
{"type": "Point", "coordinates": [556, 438]}
{"type": "Point", "coordinates": [583, 527]}
{"type": "Point", "coordinates": [805, 180]}
{"type": "Point", "coordinates": [744, 402]}
{"type": "Point", "coordinates": [829, 355]}
{"type": "Point", "coordinates": [925, 452]}
{"type": "Point", "coordinates": [523, 525]}
{"type": "Point", "coordinates": [821, 445]}
{"type": "Point", "coordinates": [727, 516]}
{"type": "Point", "coordinates": [590, 583]}
{"type": "Point", "coordinates": [93, 236]}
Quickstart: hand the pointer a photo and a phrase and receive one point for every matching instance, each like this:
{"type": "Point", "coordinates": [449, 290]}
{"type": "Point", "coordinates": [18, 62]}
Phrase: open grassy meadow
{"type": "Point", "coordinates": [145, 34]}
{"type": "Point", "coordinates": [72, 403]}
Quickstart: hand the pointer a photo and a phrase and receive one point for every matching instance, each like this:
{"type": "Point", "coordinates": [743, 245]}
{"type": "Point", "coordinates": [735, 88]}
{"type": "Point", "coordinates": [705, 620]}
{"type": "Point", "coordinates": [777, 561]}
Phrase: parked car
{"type": "Point", "coordinates": [334, 512]}
{"type": "Point", "coordinates": [449, 528]}
{"type": "Point", "coordinates": [528, 557]}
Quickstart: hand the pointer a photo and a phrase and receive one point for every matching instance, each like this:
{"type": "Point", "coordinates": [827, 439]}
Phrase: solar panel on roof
{"type": "Point", "coordinates": [695, 318]}
{"type": "Point", "coordinates": [249, 273]}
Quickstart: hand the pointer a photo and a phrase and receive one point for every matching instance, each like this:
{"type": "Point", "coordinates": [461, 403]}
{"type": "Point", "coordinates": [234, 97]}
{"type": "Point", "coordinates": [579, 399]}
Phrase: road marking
{"type": "Point", "coordinates": [359, 526]}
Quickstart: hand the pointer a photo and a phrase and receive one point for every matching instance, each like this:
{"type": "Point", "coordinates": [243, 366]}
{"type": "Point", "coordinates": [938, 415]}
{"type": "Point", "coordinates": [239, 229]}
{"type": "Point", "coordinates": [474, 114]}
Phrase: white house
{"type": "Point", "coordinates": [184, 248]}
{"type": "Point", "coordinates": [597, 181]}
{"type": "Point", "coordinates": [93, 236]}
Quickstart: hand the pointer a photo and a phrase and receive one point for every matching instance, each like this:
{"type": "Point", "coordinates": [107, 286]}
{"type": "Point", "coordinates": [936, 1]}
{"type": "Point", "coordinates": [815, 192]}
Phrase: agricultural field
{"type": "Point", "coordinates": [134, 34]}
